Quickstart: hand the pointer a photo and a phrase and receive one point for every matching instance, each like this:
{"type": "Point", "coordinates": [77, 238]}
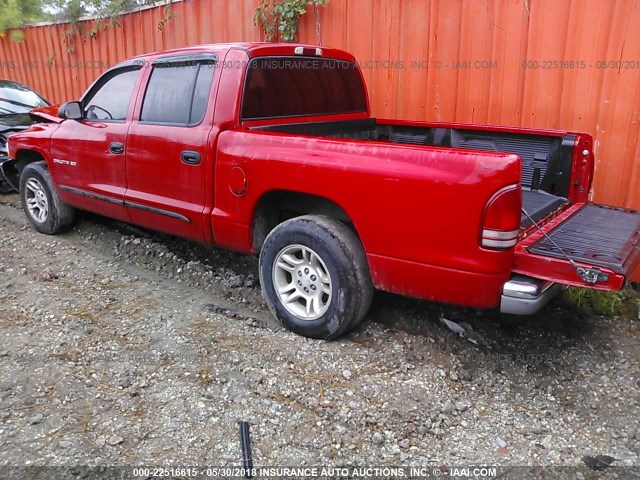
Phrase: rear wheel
{"type": "Point", "coordinates": [41, 202]}
{"type": "Point", "coordinates": [315, 277]}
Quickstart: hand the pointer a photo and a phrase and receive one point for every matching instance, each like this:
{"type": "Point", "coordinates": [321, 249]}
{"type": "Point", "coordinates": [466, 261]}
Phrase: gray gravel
{"type": "Point", "coordinates": [122, 346]}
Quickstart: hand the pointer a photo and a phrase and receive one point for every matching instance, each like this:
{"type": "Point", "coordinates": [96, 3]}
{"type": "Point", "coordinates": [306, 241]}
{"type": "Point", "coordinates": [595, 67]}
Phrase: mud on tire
{"type": "Point", "coordinates": [315, 277]}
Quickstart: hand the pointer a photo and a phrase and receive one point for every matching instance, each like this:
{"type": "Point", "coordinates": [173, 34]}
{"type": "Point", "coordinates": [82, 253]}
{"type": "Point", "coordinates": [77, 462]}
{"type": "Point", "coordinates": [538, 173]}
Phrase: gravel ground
{"type": "Point", "coordinates": [120, 346]}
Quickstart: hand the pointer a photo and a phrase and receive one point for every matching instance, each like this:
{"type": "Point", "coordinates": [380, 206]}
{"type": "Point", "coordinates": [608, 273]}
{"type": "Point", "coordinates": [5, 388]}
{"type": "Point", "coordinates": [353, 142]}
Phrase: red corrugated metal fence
{"type": "Point", "coordinates": [563, 64]}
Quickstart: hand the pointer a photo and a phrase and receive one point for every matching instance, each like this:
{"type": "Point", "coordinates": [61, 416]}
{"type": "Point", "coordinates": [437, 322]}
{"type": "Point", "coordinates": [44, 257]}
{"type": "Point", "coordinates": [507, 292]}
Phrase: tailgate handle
{"type": "Point", "coordinates": [190, 157]}
{"type": "Point", "coordinates": [116, 147]}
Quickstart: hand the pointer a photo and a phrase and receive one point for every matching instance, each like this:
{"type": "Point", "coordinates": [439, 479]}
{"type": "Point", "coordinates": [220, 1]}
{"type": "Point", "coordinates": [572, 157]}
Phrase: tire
{"type": "Point", "coordinates": [326, 258]}
{"type": "Point", "coordinates": [41, 202]}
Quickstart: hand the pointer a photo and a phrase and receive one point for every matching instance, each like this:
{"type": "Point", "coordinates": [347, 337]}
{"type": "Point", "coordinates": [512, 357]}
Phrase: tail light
{"type": "Point", "coordinates": [501, 220]}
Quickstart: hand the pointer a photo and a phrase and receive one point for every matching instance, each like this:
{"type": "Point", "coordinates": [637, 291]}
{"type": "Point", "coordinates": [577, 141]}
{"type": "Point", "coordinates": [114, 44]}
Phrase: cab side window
{"type": "Point", "coordinates": [110, 100]}
{"type": "Point", "coordinates": [177, 93]}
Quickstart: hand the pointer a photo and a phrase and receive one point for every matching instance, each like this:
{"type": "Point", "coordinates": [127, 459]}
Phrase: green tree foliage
{"type": "Point", "coordinates": [15, 13]}
{"type": "Point", "coordinates": [73, 10]}
{"type": "Point", "coordinates": [281, 18]}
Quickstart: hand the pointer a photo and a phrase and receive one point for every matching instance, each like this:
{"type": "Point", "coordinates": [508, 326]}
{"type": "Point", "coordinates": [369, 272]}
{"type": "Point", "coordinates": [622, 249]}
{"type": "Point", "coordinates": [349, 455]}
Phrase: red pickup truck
{"type": "Point", "coordinates": [271, 149]}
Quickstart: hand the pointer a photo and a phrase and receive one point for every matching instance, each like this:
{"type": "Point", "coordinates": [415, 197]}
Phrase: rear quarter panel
{"type": "Point", "coordinates": [421, 205]}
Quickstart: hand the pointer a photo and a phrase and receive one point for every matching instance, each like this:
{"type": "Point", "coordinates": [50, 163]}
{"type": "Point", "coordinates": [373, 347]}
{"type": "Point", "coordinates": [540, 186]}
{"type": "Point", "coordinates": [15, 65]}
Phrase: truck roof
{"type": "Point", "coordinates": [258, 49]}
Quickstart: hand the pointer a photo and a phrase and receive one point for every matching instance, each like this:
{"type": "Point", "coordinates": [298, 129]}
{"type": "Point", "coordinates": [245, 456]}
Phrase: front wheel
{"type": "Point", "coordinates": [41, 202]}
{"type": "Point", "coordinates": [315, 277]}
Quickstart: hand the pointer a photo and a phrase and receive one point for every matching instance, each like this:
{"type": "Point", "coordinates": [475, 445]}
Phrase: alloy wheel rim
{"type": "Point", "coordinates": [302, 282]}
{"type": "Point", "coordinates": [36, 200]}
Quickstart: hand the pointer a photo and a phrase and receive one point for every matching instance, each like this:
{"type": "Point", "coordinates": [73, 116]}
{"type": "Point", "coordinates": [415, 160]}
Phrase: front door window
{"type": "Point", "coordinates": [110, 99]}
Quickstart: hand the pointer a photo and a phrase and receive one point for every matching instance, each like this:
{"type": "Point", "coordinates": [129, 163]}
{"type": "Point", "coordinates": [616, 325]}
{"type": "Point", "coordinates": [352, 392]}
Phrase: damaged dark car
{"type": "Point", "coordinates": [16, 101]}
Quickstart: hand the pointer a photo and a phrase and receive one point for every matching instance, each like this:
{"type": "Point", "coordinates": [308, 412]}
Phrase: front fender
{"type": "Point", "coordinates": [34, 142]}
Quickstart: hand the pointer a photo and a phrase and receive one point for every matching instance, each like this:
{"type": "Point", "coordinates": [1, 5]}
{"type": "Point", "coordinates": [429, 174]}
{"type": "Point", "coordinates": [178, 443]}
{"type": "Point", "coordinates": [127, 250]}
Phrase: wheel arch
{"type": "Point", "coordinates": [12, 169]}
{"type": "Point", "coordinates": [276, 206]}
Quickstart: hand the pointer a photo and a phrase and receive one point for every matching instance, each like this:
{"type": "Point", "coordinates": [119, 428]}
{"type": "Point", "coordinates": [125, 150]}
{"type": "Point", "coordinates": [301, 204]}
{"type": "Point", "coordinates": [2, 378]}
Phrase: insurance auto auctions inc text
{"type": "Point", "coordinates": [375, 472]}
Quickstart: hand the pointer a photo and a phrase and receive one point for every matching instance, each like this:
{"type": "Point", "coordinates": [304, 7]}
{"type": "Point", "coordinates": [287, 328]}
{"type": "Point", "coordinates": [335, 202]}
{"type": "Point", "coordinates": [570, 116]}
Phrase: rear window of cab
{"type": "Point", "coordinates": [278, 87]}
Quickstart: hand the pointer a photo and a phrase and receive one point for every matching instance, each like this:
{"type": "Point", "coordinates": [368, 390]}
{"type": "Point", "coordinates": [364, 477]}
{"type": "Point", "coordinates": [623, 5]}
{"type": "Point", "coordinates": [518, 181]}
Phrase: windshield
{"type": "Point", "coordinates": [18, 99]}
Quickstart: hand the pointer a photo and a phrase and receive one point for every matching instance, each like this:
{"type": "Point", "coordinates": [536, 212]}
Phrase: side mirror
{"type": "Point", "coordinates": [70, 110]}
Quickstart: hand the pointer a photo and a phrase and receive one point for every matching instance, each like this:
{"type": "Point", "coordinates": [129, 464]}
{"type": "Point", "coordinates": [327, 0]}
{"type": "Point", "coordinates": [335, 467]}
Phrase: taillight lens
{"type": "Point", "coordinates": [501, 222]}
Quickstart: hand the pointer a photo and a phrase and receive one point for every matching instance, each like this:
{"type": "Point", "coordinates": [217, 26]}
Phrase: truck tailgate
{"type": "Point", "coordinates": [603, 243]}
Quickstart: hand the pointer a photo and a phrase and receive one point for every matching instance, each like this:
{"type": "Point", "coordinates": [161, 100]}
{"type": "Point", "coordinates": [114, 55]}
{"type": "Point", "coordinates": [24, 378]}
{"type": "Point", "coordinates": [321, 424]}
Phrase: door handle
{"type": "Point", "coordinates": [116, 147]}
{"type": "Point", "coordinates": [190, 157]}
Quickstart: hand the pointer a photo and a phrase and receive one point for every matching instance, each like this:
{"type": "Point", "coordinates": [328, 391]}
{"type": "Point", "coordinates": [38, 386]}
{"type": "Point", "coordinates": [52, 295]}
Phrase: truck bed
{"type": "Point", "coordinates": [539, 204]}
{"type": "Point", "coordinates": [546, 160]}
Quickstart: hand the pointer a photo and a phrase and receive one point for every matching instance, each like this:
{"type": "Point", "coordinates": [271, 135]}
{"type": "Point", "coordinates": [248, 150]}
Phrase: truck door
{"type": "Point", "coordinates": [167, 146]}
{"type": "Point", "coordinates": [586, 245]}
{"type": "Point", "coordinates": [89, 155]}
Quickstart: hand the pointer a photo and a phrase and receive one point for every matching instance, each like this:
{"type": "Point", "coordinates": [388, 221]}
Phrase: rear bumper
{"type": "Point", "coordinates": [523, 295]}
